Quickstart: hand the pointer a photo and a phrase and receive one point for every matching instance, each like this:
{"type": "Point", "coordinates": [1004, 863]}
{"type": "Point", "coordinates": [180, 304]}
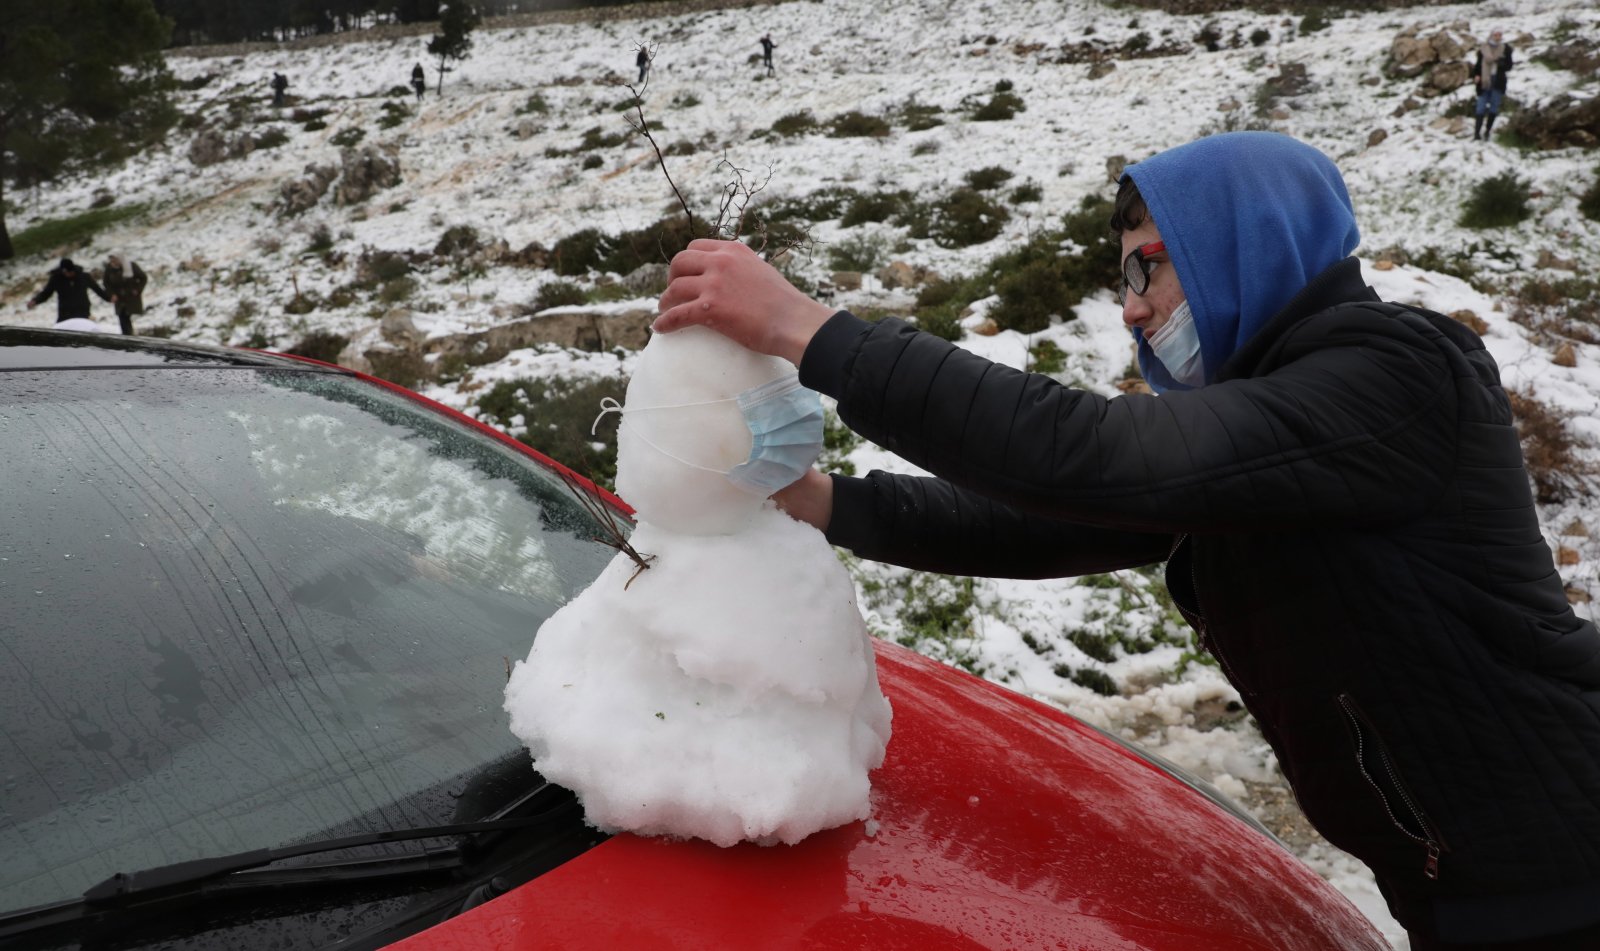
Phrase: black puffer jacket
{"type": "Point", "coordinates": [1347, 522]}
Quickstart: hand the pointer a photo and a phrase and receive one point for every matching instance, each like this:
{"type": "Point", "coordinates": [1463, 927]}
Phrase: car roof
{"type": "Point", "coordinates": [35, 348]}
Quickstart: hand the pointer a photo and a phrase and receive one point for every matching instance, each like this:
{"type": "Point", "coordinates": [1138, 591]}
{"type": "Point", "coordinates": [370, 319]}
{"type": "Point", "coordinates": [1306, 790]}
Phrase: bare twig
{"type": "Point", "coordinates": [614, 536]}
{"type": "Point", "coordinates": [642, 126]}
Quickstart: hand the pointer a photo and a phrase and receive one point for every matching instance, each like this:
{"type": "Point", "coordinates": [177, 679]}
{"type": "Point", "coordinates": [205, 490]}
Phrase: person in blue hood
{"type": "Point", "coordinates": [1335, 485]}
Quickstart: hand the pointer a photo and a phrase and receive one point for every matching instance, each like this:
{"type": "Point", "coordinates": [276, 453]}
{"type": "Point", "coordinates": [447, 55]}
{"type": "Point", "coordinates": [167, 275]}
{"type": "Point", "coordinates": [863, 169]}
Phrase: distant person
{"type": "Point", "coordinates": [643, 62]}
{"type": "Point", "coordinates": [125, 282]}
{"type": "Point", "coordinates": [766, 51]}
{"type": "Point", "coordinates": [419, 81]}
{"type": "Point", "coordinates": [280, 83]}
{"type": "Point", "coordinates": [71, 286]}
{"type": "Point", "coordinates": [1494, 61]}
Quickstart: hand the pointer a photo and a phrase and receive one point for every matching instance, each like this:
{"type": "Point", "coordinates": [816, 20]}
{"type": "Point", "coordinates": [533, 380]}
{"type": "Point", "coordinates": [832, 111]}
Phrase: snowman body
{"type": "Point", "coordinates": [728, 692]}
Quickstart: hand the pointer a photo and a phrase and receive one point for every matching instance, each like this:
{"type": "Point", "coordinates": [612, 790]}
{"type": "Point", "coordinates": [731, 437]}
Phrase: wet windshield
{"type": "Point", "coordinates": [247, 607]}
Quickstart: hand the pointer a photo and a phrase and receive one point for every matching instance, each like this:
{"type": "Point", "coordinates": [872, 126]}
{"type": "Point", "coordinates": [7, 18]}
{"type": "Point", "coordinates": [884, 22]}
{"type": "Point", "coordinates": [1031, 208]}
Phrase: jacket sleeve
{"type": "Point", "coordinates": [139, 279]}
{"type": "Point", "coordinates": [94, 285]}
{"type": "Point", "coordinates": [1351, 423]}
{"type": "Point", "coordinates": [50, 287]}
{"type": "Point", "coordinates": [931, 525]}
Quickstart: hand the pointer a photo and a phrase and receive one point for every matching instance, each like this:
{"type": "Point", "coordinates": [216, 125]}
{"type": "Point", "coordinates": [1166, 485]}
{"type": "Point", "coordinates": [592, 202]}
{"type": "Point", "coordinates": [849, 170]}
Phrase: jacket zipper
{"type": "Point", "coordinates": [1199, 620]}
{"type": "Point", "coordinates": [1430, 839]}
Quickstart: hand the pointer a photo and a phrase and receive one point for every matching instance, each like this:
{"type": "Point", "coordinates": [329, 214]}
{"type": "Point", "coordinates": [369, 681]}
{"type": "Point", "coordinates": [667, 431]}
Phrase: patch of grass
{"type": "Point", "coordinates": [71, 232]}
{"type": "Point", "coordinates": [348, 138]}
{"type": "Point", "coordinates": [556, 413]}
{"type": "Point", "coordinates": [394, 113]}
{"type": "Point", "coordinates": [795, 123]}
{"type": "Point", "coordinates": [1497, 202]}
{"type": "Point", "coordinates": [1589, 201]}
{"type": "Point", "coordinates": [874, 207]}
{"type": "Point", "coordinates": [1026, 192]}
{"type": "Point", "coordinates": [271, 139]}
{"type": "Point", "coordinates": [458, 240]}
{"type": "Point", "coordinates": [397, 290]}
{"type": "Point", "coordinates": [535, 105]}
{"type": "Point", "coordinates": [918, 117]}
{"type": "Point", "coordinates": [1047, 357]}
{"type": "Point", "coordinates": [1003, 104]}
{"type": "Point", "coordinates": [838, 441]}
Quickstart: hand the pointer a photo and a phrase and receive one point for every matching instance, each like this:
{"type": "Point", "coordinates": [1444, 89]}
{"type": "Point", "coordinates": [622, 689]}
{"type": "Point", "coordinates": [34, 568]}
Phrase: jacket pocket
{"type": "Point", "coordinates": [1378, 768]}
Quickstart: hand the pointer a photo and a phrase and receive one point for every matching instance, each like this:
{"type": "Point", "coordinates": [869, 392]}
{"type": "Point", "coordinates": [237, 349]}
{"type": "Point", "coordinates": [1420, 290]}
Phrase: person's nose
{"type": "Point", "coordinates": [1135, 310]}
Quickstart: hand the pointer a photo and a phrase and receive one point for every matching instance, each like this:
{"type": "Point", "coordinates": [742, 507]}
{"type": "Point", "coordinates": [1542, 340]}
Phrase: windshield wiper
{"type": "Point", "coordinates": [199, 876]}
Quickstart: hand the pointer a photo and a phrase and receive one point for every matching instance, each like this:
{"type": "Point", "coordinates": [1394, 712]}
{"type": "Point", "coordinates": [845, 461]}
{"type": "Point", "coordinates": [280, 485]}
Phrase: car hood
{"type": "Point", "coordinates": [997, 823]}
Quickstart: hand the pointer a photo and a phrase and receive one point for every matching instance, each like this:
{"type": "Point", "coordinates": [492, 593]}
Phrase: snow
{"type": "Point", "coordinates": [485, 154]}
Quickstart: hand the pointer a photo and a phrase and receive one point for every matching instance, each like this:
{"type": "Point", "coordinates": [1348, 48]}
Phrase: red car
{"type": "Point", "coordinates": [258, 615]}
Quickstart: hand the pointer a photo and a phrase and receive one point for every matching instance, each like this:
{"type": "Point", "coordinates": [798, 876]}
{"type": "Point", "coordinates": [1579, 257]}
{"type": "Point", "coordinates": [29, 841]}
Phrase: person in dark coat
{"type": "Point", "coordinates": [71, 286]}
{"type": "Point", "coordinates": [419, 81]}
{"type": "Point", "coordinates": [1334, 482]}
{"type": "Point", "coordinates": [280, 83]}
{"type": "Point", "coordinates": [125, 282]}
{"type": "Point", "coordinates": [1489, 75]}
{"type": "Point", "coordinates": [766, 51]}
{"type": "Point", "coordinates": [643, 62]}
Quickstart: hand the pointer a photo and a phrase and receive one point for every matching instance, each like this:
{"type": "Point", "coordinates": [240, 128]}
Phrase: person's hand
{"type": "Point", "coordinates": [808, 499]}
{"type": "Point", "coordinates": [728, 287]}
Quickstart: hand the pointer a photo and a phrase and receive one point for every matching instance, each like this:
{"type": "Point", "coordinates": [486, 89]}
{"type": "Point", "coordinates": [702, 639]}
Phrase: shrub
{"type": "Point", "coordinates": [936, 608]}
{"type": "Point", "coordinates": [838, 441]}
{"type": "Point", "coordinates": [821, 205]}
{"type": "Point", "coordinates": [580, 252]}
{"type": "Point", "coordinates": [557, 413]}
{"type": "Point", "coordinates": [535, 105]}
{"type": "Point", "coordinates": [966, 217]}
{"type": "Point", "coordinates": [917, 117]}
{"type": "Point", "coordinates": [394, 113]}
{"type": "Point", "coordinates": [1497, 202]}
{"type": "Point", "coordinates": [1259, 37]}
{"type": "Point", "coordinates": [795, 123]}
{"type": "Point", "coordinates": [397, 290]}
{"type": "Point", "coordinates": [458, 240]}
{"type": "Point", "coordinates": [559, 294]}
{"type": "Point", "coordinates": [1000, 106]}
{"type": "Point", "coordinates": [1046, 357]}
{"type": "Point", "coordinates": [1316, 20]}
{"type": "Point", "coordinates": [856, 253]}
{"type": "Point", "coordinates": [1589, 202]}
{"type": "Point", "coordinates": [1026, 192]}
{"type": "Point", "coordinates": [1030, 297]}
{"type": "Point", "coordinates": [271, 139]}
{"type": "Point", "coordinates": [321, 239]}
{"type": "Point", "coordinates": [348, 138]}
{"type": "Point", "coordinates": [375, 267]}
{"type": "Point", "coordinates": [1548, 448]}
{"type": "Point", "coordinates": [592, 161]}
{"type": "Point", "coordinates": [597, 138]}
{"type": "Point", "coordinates": [988, 178]}
{"type": "Point", "coordinates": [855, 124]}
{"type": "Point", "coordinates": [874, 207]}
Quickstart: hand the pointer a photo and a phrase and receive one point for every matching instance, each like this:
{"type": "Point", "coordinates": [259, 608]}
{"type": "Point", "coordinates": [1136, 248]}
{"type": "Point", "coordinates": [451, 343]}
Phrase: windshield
{"type": "Point", "coordinates": [243, 607]}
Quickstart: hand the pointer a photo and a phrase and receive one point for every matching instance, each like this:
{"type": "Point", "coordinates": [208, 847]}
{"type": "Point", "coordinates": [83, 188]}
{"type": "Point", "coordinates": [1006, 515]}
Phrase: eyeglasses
{"type": "Point", "coordinates": [1136, 268]}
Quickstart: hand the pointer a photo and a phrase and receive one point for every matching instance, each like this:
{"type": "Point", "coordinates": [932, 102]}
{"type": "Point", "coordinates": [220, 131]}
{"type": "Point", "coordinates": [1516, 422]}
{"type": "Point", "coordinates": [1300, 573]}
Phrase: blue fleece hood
{"type": "Point", "coordinates": [1249, 218]}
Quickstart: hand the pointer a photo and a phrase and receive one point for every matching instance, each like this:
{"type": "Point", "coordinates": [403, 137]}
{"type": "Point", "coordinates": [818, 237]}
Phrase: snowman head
{"type": "Point", "coordinates": [709, 430]}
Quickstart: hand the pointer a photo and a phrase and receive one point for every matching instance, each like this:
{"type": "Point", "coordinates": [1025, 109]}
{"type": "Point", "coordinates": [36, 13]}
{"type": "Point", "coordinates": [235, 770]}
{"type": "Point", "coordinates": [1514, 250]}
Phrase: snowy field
{"type": "Point", "coordinates": [499, 151]}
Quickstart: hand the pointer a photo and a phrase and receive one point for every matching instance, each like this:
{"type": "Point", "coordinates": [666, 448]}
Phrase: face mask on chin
{"type": "Point", "coordinates": [1177, 346]}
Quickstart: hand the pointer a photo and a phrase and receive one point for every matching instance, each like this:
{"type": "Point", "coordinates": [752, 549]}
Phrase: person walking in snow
{"type": "Point", "coordinates": [643, 62]}
{"type": "Point", "coordinates": [125, 282]}
{"type": "Point", "coordinates": [1335, 485]}
{"type": "Point", "coordinates": [1489, 75]}
{"type": "Point", "coordinates": [766, 51]}
{"type": "Point", "coordinates": [71, 286]}
{"type": "Point", "coordinates": [419, 81]}
{"type": "Point", "coordinates": [280, 83]}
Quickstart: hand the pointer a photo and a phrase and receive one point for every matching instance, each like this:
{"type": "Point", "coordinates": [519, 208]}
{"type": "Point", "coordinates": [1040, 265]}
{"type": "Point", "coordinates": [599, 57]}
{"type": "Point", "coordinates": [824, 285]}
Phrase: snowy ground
{"type": "Point", "coordinates": [224, 265]}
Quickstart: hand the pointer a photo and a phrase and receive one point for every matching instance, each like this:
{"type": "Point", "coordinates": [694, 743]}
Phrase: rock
{"type": "Point", "coordinates": [896, 274]}
{"type": "Point", "coordinates": [1102, 68]}
{"type": "Point", "coordinates": [647, 280]}
{"type": "Point", "coordinates": [1576, 595]}
{"type": "Point", "coordinates": [1565, 121]}
{"type": "Point", "coordinates": [1444, 78]}
{"type": "Point", "coordinates": [398, 327]}
{"type": "Point", "coordinates": [1133, 384]}
{"type": "Point", "coordinates": [1376, 137]}
{"type": "Point", "coordinates": [526, 129]}
{"type": "Point", "coordinates": [1566, 355]}
{"type": "Point", "coordinates": [1408, 105]}
{"type": "Point", "coordinates": [1478, 324]}
{"type": "Point", "coordinates": [1567, 556]}
{"type": "Point", "coordinates": [1576, 529]}
{"type": "Point", "coordinates": [986, 327]}
{"type": "Point", "coordinates": [1228, 105]}
{"type": "Point", "coordinates": [1383, 264]}
{"type": "Point", "coordinates": [1371, 80]}
{"type": "Point", "coordinates": [303, 193]}
{"type": "Point", "coordinates": [1115, 166]}
{"type": "Point", "coordinates": [1281, 113]}
{"type": "Point", "coordinates": [847, 280]}
{"type": "Point", "coordinates": [208, 148]}
{"type": "Point", "coordinates": [367, 171]}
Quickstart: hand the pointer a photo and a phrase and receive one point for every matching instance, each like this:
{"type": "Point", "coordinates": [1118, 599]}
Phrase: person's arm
{"type": "Point", "coordinates": [50, 287]}
{"type": "Point", "coordinates": [94, 285]}
{"type": "Point", "coordinates": [1354, 425]}
{"type": "Point", "coordinates": [139, 278]}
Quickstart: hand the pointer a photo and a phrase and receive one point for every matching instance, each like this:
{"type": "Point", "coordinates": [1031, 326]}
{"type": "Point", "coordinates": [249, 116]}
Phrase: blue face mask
{"type": "Point", "coordinates": [785, 422]}
{"type": "Point", "coordinates": [1177, 346]}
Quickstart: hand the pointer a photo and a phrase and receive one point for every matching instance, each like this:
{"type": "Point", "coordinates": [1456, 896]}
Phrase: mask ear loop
{"type": "Point", "coordinates": [609, 405]}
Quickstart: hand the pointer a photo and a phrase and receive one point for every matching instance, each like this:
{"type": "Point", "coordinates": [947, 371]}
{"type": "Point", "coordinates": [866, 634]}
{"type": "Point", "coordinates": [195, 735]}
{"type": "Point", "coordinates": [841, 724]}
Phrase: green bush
{"type": "Point", "coordinates": [321, 345]}
{"type": "Point", "coordinates": [1047, 357]}
{"type": "Point", "coordinates": [1259, 37]}
{"type": "Point", "coordinates": [966, 217]}
{"type": "Point", "coordinates": [822, 205]}
{"type": "Point", "coordinates": [458, 240]}
{"type": "Point", "coordinates": [592, 161]}
{"type": "Point", "coordinates": [348, 138]}
{"type": "Point", "coordinates": [1497, 202]}
{"type": "Point", "coordinates": [397, 290]}
{"type": "Point", "coordinates": [855, 125]}
{"type": "Point", "coordinates": [591, 249]}
{"type": "Point", "coordinates": [1030, 297]}
{"type": "Point", "coordinates": [988, 178]}
{"type": "Point", "coordinates": [559, 294]}
{"type": "Point", "coordinates": [874, 207]}
{"type": "Point", "coordinates": [598, 138]}
{"type": "Point", "coordinates": [856, 253]}
{"type": "Point", "coordinates": [557, 413]}
{"type": "Point", "coordinates": [1000, 106]}
{"type": "Point", "coordinates": [1589, 202]}
{"type": "Point", "coordinates": [917, 117]}
{"type": "Point", "coordinates": [795, 123]}
{"type": "Point", "coordinates": [1026, 192]}
{"type": "Point", "coordinates": [271, 139]}
{"type": "Point", "coordinates": [1314, 21]}
{"type": "Point", "coordinates": [394, 113]}
{"type": "Point", "coordinates": [580, 252]}
{"type": "Point", "coordinates": [535, 105]}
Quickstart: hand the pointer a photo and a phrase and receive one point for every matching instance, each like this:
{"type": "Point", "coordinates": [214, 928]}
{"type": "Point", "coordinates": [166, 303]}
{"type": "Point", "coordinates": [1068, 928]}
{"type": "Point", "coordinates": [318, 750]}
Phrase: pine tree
{"type": "Point", "coordinates": [457, 20]}
{"type": "Point", "coordinates": [80, 83]}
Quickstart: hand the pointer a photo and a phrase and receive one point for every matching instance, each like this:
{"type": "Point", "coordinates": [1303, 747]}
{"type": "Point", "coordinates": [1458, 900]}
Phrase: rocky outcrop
{"type": "Point", "coordinates": [1564, 122]}
{"type": "Point", "coordinates": [1438, 58]}
{"type": "Point", "coordinates": [213, 145]}
{"type": "Point", "coordinates": [397, 349]}
{"type": "Point", "coordinates": [367, 171]}
{"type": "Point", "coordinates": [303, 193]}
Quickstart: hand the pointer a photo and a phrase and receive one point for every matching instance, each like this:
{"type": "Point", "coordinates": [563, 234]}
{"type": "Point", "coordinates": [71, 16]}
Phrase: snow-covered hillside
{"type": "Point", "coordinates": [528, 145]}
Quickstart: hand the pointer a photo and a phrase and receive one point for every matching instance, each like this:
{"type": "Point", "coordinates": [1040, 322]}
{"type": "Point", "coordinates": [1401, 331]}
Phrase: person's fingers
{"type": "Point", "coordinates": [679, 290]}
{"type": "Point", "coordinates": [684, 315]}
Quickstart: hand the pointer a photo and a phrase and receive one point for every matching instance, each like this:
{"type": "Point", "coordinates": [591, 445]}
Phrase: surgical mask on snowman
{"type": "Point", "coordinates": [785, 423]}
{"type": "Point", "coordinates": [1177, 346]}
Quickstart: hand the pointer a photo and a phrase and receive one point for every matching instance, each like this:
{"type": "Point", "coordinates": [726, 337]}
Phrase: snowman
{"type": "Point", "coordinates": [728, 691]}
